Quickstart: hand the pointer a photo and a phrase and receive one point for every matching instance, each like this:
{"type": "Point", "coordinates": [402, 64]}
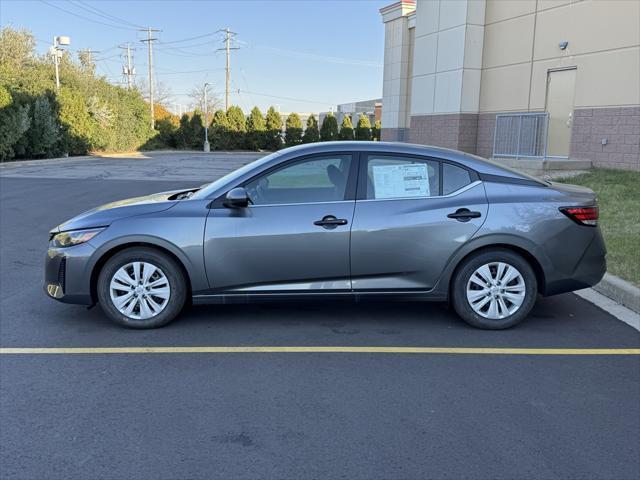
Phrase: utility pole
{"type": "Point", "coordinates": [56, 51]}
{"type": "Point", "coordinates": [128, 70]}
{"type": "Point", "coordinates": [228, 37]}
{"type": "Point", "coordinates": [206, 120]}
{"type": "Point", "coordinates": [149, 41]}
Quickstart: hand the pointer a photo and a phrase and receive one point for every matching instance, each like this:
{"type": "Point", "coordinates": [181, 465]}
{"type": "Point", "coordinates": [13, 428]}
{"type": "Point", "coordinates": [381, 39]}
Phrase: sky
{"type": "Point", "coordinates": [298, 55]}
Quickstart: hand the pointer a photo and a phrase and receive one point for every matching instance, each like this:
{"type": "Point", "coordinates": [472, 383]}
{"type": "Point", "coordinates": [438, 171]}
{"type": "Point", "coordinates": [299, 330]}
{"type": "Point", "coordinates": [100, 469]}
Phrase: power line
{"type": "Point", "coordinates": [287, 98]}
{"type": "Point", "coordinates": [189, 39]}
{"type": "Point", "coordinates": [188, 71]}
{"type": "Point", "coordinates": [83, 17]}
{"type": "Point", "coordinates": [103, 14]}
{"type": "Point", "coordinates": [181, 47]}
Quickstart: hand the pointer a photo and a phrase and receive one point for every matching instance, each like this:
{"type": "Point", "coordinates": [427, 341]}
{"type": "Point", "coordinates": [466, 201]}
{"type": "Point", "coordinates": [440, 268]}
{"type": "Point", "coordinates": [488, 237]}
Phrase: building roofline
{"type": "Point", "coordinates": [398, 4]}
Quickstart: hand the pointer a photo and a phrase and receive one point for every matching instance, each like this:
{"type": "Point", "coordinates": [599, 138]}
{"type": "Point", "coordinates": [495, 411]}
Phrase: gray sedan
{"type": "Point", "coordinates": [338, 219]}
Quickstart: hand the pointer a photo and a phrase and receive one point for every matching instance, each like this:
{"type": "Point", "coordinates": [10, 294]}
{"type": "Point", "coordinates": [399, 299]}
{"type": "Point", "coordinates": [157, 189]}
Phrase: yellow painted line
{"type": "Point", "coordinates": [312, 349]}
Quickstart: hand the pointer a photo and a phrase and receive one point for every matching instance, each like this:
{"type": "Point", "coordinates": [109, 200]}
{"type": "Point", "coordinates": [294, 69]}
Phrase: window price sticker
{"type": "Point", "coordinates": [401, 181]}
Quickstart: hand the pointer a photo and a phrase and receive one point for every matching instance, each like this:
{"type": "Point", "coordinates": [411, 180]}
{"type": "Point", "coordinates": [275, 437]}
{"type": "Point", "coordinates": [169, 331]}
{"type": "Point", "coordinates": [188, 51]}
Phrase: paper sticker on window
{"type": "Point", "coordinates": [401, 181]}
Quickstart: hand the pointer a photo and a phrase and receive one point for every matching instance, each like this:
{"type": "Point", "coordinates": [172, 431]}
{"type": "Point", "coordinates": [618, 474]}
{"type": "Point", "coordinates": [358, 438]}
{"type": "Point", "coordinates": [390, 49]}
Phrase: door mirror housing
{"type": "Point", "coordinates": [236, 198]}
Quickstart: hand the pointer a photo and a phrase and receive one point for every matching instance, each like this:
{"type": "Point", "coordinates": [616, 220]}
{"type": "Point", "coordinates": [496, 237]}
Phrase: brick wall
{"type": "Point", "coordinates": [620, 126]}
{"type": "Point", "coordinates": [458, 131]}
{"type": "Point", "coordinates": [486, 128]}
{"type": "Point", "coordinates": [394, 134]}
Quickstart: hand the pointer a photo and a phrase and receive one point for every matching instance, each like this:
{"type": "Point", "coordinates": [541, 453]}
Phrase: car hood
{"type": "Point", "coordinates": [104, 215]}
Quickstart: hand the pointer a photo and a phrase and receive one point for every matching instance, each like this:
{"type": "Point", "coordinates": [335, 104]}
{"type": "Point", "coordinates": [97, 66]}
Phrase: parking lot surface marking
{"type": "Point", "coordinates": [315, 349]}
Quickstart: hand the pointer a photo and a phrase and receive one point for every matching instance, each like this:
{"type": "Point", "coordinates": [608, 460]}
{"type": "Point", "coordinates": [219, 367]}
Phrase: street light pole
{"type": "Point", "coordinates": [55, 61]}
{"type": "Point", "coordinates": [56, 51]}
{"type": "Point", "coordinates": [207, 147]}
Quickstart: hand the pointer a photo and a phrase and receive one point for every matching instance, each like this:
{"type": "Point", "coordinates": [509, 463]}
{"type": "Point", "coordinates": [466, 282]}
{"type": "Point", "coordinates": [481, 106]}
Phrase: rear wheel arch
{"type": "Point", "coordinates": [533, 262]}
{"type": "Point", "coordinates": [521, 246]}
{"type": "Point", "coordinates": [105, 256]}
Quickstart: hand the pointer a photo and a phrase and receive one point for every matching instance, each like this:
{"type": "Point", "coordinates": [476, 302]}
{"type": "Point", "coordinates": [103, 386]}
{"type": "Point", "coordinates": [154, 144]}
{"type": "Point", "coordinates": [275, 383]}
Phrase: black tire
{"type": "Point", "coordinates": [461, 278]}
{"type": "Point", "coordinates": [172, 271]}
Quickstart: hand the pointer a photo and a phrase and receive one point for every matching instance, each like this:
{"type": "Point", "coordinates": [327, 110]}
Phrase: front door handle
{"type": "Point", "coordinates": [464, 215]}
{"type": "Point", "coordinates": [330, 222]}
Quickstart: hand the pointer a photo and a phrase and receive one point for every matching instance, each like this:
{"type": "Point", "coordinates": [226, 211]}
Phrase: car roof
{"type": "Point", "coordinates": [479, 164]}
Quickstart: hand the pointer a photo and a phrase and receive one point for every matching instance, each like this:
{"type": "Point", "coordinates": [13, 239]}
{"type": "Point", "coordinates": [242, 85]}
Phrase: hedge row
{"type": "Point", "coordinates": [232, 130]}
{"type": "Point", "coordinates": [86, 114]}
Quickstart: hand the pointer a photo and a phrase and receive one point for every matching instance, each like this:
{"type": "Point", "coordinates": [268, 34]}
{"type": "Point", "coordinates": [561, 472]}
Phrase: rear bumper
{"type": "Point", "coordinates": [588, 270]}
{"type": "Point", "coordinates": [67, 277]}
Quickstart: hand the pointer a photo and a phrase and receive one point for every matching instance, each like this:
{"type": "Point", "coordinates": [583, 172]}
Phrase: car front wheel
{"type": "Point", "coordinates": [494, 289]}
{"type": "Point", "coordinates": [141, 288]}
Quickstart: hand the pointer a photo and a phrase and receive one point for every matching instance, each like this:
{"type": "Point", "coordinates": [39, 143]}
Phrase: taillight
{"type": "Point", "coordinates": [582, 215]}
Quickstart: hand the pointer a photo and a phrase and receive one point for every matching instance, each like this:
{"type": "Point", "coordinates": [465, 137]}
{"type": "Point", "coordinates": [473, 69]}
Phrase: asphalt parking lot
{"type": "Point", "coordinates": [292, 414]}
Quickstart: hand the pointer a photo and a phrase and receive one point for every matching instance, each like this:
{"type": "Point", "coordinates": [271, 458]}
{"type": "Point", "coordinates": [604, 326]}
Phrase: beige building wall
{"type": "Point", "coordinates": [521, 46]}
{"type": "Point", "coordinates": [398, 52]}
{"type": "Point", "coordinates": [473, 59]}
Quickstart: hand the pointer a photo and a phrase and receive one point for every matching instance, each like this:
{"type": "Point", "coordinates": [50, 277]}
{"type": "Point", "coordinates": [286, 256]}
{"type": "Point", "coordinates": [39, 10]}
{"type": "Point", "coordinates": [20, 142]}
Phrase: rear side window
{"type": "Point", "coordinates": [454, 178]}
{"type": "Point", "coordinates": [401, 177]}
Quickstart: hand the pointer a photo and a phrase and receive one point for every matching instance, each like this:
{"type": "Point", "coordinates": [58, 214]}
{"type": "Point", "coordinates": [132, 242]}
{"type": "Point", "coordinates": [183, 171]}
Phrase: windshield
{"type": "Point", "coordinates": [212, 187]}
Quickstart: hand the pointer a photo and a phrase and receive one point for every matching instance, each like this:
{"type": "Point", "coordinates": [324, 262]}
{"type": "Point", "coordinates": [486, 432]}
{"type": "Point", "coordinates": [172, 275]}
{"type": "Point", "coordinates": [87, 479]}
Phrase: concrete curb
{"type": "Point", "coordinates": [620, 290]}
{"type": "Point", "coordinates": [610, 306]}
{"type": "Point", "coordinates": [46, 161]}
{"type": "Point", "coordinates": [140, 153]}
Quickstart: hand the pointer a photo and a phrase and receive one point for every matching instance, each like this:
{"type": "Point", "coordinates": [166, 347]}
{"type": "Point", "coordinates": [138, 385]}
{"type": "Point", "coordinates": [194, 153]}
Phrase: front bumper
{"type": "Point", "coordinates": [67, 276]}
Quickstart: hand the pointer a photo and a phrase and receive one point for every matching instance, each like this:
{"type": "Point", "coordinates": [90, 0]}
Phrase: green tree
{"type": "Point", "coordinates": [363, 129]}
{"type": "Point", "coordinates": [375, 131]}
{"type": "Point", "coordinates": [44, 132]}
{"type": "Point", "coordinates": [256, 128]}
{"type": "Point", "coordinates": [273, 137]}
{"type": "Point", "coordinates": [329, 129]}
{"type": "Point", "coordinates": [184, 132]}
{"type": "Point", "coordinates": [17, 48]}
{"type": "Point", "coordinates": [311, 133]}
{"type": "Point", "coordinates": [237, 127]}
{"type": "Point", "coordinates": [346, 129]}
{"type": "Point", "coordinates": [196, 124]}
{"type": "Point", "coordinates": [220, 139]}
{"type": "Point", "coordinates": [14, 123]}
{"type": "Point", "coordinates": [78, 126]}
{"type": "Point", "coordinates": [293, 135]}
{"type": "Point", "coordinates": [87, 113]}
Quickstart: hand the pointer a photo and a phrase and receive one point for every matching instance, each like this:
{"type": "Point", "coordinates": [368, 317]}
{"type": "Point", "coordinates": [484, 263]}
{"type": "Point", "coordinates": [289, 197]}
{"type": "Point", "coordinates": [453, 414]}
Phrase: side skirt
{"type": "Point", "coordinates": [233, 298]}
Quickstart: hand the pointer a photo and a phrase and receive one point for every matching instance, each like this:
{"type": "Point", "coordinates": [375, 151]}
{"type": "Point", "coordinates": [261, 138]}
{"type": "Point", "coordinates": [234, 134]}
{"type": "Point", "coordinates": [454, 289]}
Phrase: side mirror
{"type": "Point", "coordinates": [236, 198]}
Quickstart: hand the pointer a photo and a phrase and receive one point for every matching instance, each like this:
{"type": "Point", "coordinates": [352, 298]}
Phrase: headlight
{"type": "Point", "coordinates": [73, 237]}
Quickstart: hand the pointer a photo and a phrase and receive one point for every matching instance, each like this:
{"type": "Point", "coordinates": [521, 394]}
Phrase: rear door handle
{"type": "Point", "coordinates": [464, 215]}
{"type": "Point", "coordinates": [330, 222]}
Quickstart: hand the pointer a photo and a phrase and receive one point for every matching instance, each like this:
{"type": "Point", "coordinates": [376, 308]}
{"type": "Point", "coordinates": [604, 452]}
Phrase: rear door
{"type": "Point", "coordinates": [412, 213]}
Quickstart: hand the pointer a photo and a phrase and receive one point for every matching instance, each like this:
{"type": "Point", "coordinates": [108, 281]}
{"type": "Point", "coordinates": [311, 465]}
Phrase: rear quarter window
{"type": "Point", "coordinates": [454, 178]}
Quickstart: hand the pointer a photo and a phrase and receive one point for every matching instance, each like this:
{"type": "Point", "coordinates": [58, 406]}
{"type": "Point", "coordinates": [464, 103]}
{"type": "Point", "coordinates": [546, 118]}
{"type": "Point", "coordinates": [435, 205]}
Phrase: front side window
{"type": "Point", "coordinates": [318, 179]}
{"type": "Point", "coordinates": [401, 177]}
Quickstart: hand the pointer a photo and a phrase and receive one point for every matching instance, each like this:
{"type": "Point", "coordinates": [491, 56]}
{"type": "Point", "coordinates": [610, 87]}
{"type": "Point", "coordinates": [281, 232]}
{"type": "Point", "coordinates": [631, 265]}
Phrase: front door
{"type": "Point", "coordinates": [411, 215]}
{"type": "Point", "coordinates": [293, 237]}
{"type": "Point", "coordinates": [560, 97]}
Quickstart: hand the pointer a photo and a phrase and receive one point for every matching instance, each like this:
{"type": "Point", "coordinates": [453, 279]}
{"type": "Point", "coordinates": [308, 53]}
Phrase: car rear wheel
{"type": "Point", "coordinates": [141, 288]}
{"type": "Point", "coordinates": [494, 289]}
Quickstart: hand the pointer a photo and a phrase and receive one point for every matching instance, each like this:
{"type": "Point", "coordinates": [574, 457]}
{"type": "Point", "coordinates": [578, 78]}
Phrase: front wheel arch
{"type": "Point", "coordinates": [99, 264]}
